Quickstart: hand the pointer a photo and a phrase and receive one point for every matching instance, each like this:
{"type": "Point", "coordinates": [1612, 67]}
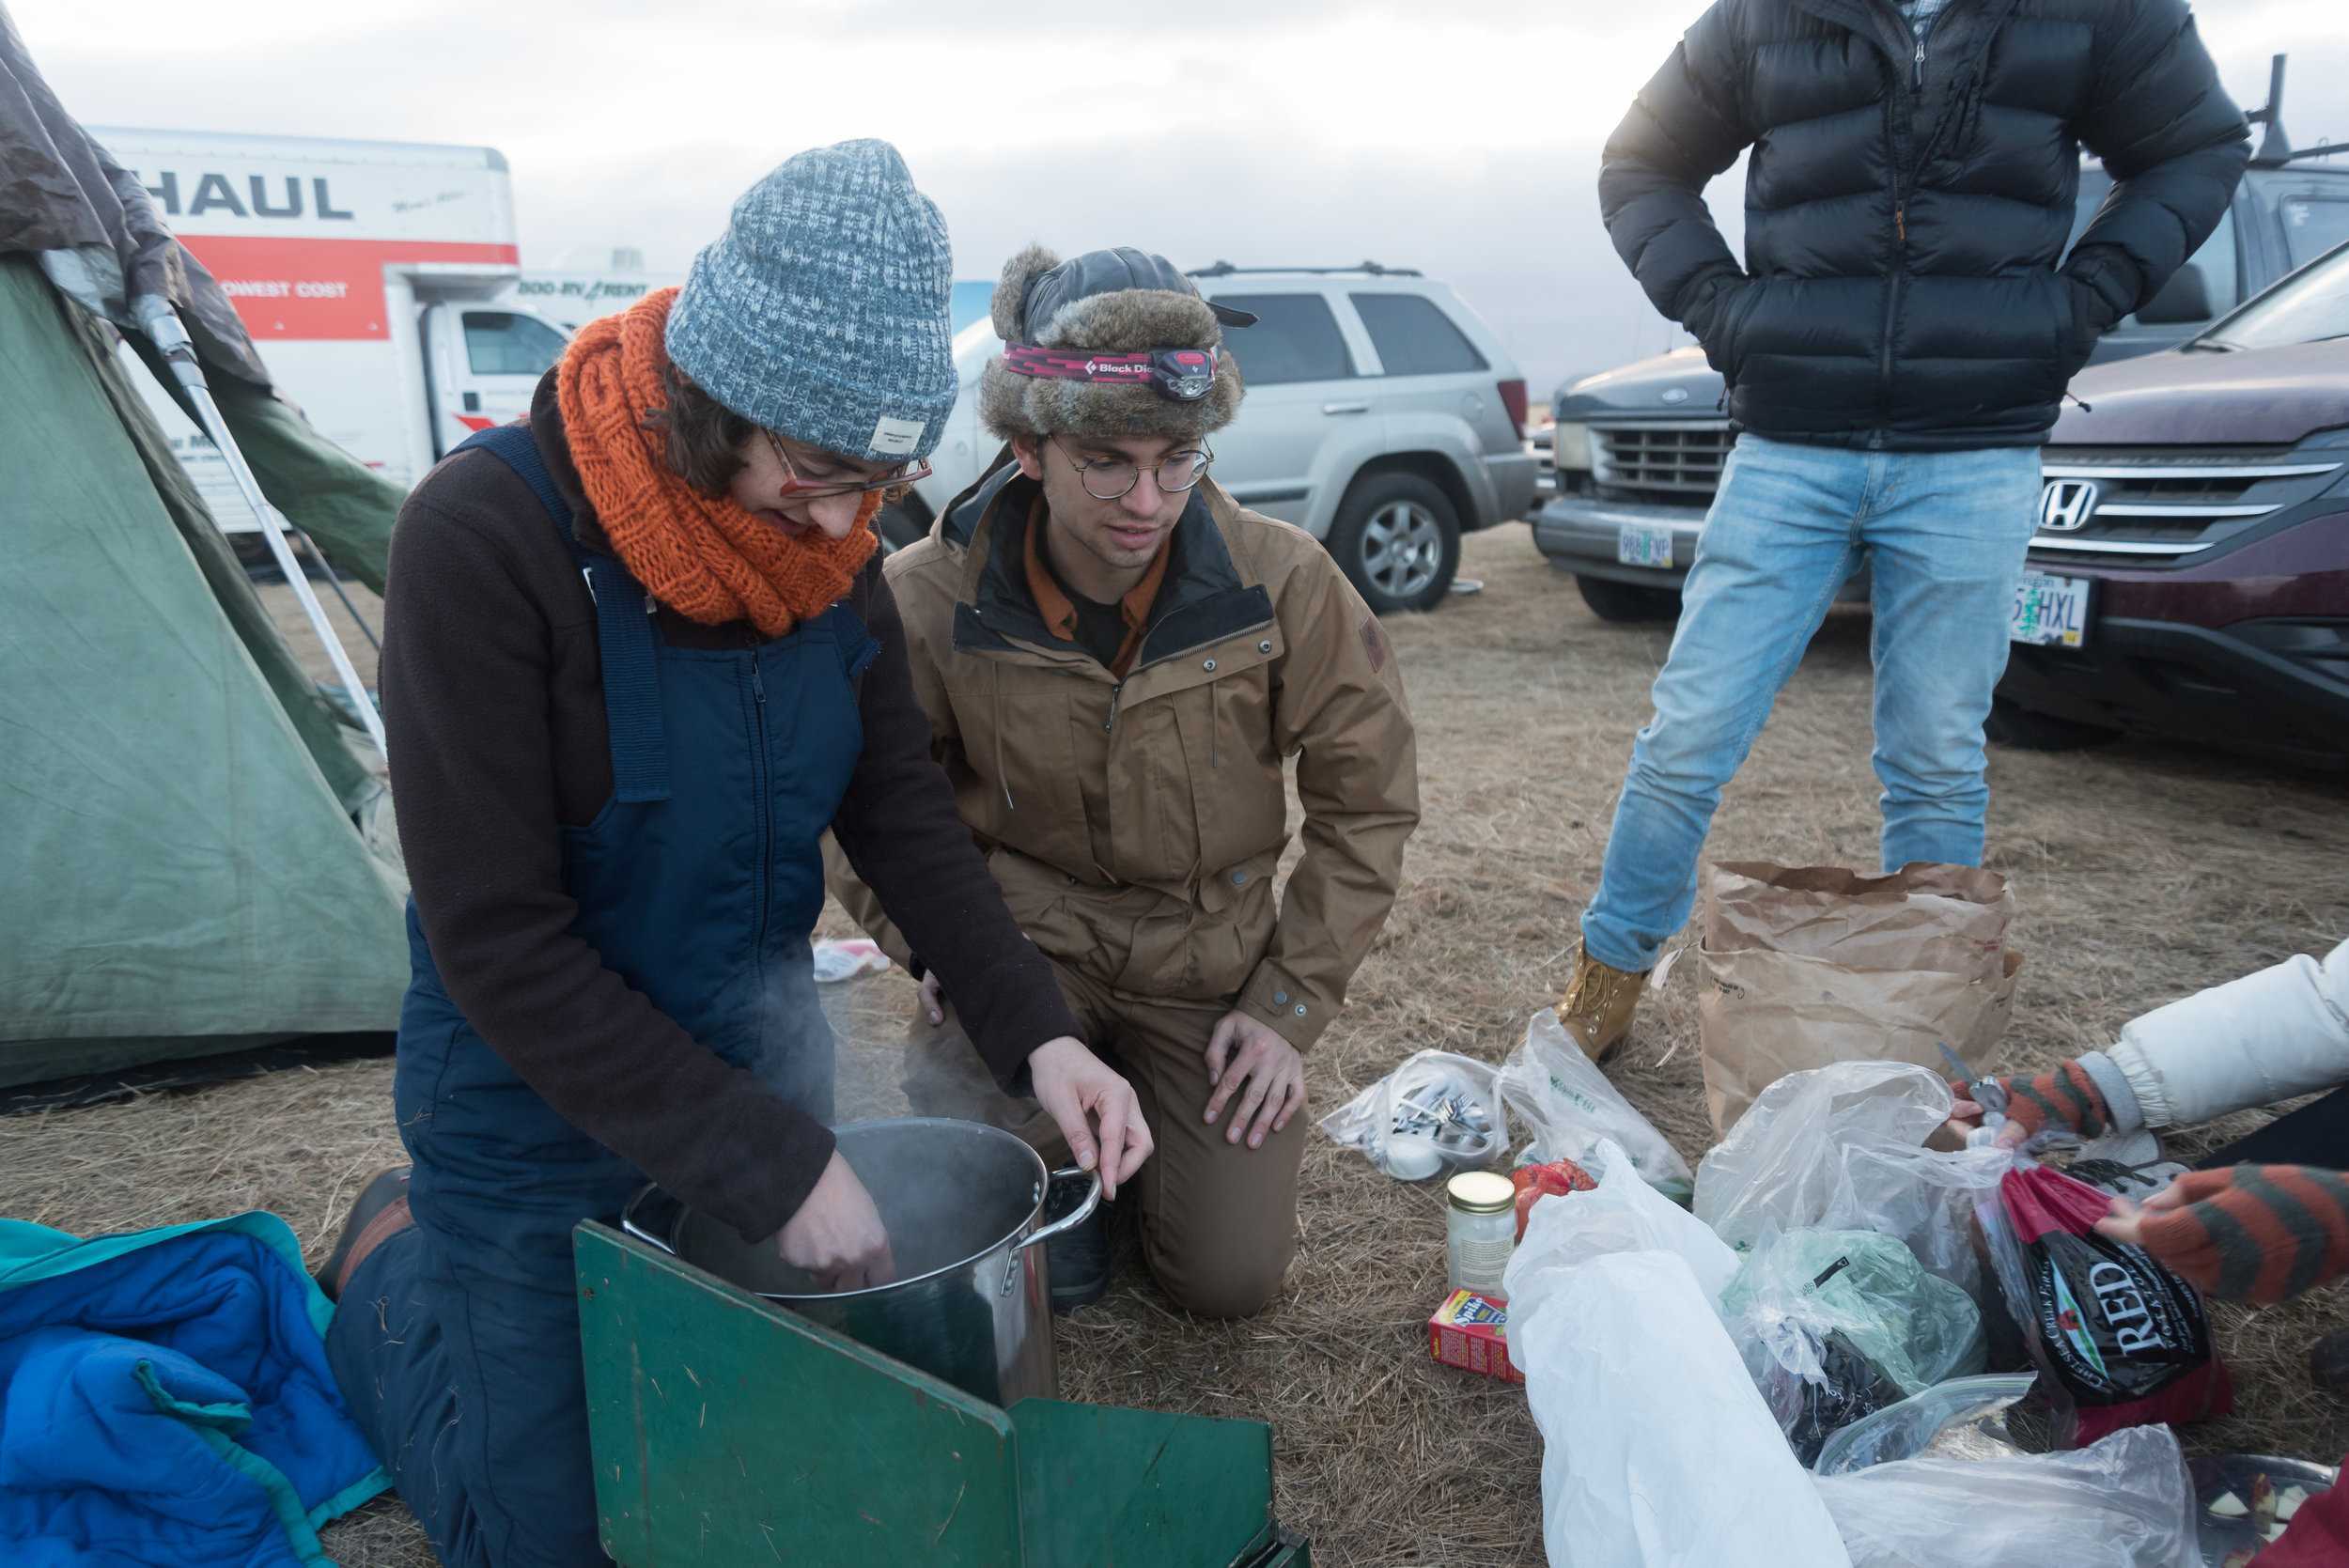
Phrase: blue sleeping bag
{"type": "Point", "coordinates": [164, 1399]}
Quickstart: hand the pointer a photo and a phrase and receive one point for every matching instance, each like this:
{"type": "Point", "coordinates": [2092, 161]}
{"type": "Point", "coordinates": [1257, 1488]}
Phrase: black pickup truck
{"type": "Point", "coordinates": [1638, 451]}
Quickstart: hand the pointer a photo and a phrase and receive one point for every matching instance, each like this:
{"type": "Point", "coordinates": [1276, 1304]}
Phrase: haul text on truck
{"type": "Point", "coordinates": [381, 280]}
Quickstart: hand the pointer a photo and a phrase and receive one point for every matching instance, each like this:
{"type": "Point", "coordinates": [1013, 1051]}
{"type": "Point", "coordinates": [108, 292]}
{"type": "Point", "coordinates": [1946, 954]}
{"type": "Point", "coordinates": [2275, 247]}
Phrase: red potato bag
{"type": "Point", "coordinates": [1533, 1182]}
{"type": "Point", "coordinates": [2119, 1340]}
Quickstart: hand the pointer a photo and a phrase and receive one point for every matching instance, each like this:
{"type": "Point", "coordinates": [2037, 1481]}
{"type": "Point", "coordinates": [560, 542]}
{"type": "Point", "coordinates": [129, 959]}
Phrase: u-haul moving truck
{"type": "Point", "coordinates": [381, 280]}
{"type": "Point", "coordinates": [571, 296]}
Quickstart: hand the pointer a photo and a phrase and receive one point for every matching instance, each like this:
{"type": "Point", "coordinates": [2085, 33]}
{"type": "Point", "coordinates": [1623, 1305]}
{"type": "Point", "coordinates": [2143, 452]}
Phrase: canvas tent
{"type": "Point", "coordinates": [183, 871]}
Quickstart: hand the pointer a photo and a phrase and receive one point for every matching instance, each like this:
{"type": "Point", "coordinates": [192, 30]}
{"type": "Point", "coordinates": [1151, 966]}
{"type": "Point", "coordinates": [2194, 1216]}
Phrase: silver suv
{"type": "Point", "coordinates": [1383, 418]}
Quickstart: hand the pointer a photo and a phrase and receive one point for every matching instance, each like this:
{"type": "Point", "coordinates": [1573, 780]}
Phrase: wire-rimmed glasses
{"type": "Point", "coordinates": [1110, 478]}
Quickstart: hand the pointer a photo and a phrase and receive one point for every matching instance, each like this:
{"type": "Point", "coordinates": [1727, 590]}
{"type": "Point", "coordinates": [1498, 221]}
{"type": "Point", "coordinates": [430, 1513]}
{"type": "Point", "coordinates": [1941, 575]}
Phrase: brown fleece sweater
{"type": "Point", "coordinates": [493, 700]}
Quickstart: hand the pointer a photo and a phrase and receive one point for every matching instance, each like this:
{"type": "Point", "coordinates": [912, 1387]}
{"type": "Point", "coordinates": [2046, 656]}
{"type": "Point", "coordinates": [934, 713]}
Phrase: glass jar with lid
{"type": "Point", "coordinates": [1480, 1231]}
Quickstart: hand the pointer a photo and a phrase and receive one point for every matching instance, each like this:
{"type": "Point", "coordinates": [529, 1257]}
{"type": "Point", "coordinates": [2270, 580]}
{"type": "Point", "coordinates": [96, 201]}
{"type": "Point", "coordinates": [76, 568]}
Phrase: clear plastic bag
{"type": "Point", "coordinates": [1837, 1325]}
{"type": "Point", "coordinates": [1622, 1214]}
{"type": "Point", "coordinates": [1435, 1113]}
{"type": "Point", "coordinates": [1656, 1448]}
{"type": "Point", "coordinates": [1569, 1104]}
{"type": "Point", "coordinates": [1961, 1419]}
{"type": "Point", "coordinates": [2127, 1502]}
{"type": "Point", "coordinates": [1840, 1148]}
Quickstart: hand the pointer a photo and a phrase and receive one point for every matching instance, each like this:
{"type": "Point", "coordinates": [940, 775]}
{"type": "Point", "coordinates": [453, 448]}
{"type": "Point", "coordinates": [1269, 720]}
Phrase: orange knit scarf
{"type": "Point", "coordinates": [709, 561]}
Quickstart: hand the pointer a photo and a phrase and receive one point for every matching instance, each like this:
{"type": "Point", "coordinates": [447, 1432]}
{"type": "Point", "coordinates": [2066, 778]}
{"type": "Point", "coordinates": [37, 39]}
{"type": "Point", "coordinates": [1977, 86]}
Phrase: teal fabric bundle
{"type": "Point", "coordinates": [164, 1398]}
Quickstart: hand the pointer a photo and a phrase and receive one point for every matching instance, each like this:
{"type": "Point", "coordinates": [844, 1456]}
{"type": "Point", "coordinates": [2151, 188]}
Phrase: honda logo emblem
{"type": "Point", "coordinates": [2066, 505]}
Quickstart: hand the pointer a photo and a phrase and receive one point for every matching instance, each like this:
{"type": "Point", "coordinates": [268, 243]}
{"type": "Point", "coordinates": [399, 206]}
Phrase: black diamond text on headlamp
{"type": "Point", "coordinates": [1185, 375]}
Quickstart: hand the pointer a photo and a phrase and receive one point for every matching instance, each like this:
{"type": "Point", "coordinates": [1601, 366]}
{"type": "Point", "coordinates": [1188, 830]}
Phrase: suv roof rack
{"type": "Point", "coordinates": [1225, 270]}
{"type": "Point", "coordinates": [2276, 149]}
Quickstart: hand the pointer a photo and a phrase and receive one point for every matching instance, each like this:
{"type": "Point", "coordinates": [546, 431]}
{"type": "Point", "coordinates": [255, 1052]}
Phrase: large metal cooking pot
{"type": "Point", "coordinates": [963, 1205]}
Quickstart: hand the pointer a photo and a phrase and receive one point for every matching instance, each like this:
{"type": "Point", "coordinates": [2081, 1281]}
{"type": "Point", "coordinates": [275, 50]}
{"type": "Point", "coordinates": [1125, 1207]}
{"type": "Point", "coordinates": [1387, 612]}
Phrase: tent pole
{"type": "Point", "coordinates": [171, 336]}
{"type": "Point", "coordinates": [334, 580]}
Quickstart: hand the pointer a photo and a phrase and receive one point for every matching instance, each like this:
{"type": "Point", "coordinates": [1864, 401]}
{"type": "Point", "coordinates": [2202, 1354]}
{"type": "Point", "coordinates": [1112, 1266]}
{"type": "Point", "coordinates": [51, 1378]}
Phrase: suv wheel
{"type": "Point", "coordinates": [2028, 730]}
{"type": "Point", "coordinates": [1611, 600]}
{"type": "Point", "coordinates": [1397, 539]}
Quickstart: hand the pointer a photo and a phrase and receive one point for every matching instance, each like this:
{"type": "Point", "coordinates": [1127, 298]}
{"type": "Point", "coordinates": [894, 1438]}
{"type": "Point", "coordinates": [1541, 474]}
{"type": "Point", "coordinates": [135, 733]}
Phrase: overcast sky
{"type": "Point", "coordinates": [1462, 141]}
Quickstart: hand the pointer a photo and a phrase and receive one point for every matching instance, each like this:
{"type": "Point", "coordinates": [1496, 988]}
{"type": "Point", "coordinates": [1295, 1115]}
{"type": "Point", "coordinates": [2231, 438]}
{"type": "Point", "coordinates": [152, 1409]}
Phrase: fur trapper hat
{"type": "Point", "coordinates": [1120, 302]}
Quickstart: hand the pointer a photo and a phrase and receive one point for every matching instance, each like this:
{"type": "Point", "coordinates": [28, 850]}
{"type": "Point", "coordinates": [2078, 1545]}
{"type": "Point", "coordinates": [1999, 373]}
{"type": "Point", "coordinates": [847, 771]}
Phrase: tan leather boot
{"type": "Point", "coordinates": [380, 1214]}
{"type": "Point", "coordinates": [1599, 1004]}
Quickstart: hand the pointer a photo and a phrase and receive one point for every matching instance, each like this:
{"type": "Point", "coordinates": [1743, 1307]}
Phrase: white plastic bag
{"type": "Point", "coordinates": [1840, 1148]}
{"type": "Point", "coordinates": [1622, 1214]}
{"type": "Point", "coordinates": [1657, 1451]}
{"type": "Point", "coordinates": [1435, 1113]}
{"type": "Point", "coordinates": [838, 961]}
{"type": "Point", "coordinates": [1559, 1093]}
{"type": "Point", "coordinates": [2125, 1503]}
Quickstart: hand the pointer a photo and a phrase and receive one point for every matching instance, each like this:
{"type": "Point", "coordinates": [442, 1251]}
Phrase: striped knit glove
{"type": "Point", "coordinates": [2066, 1098]}
{"type": "Point", "coordinates": [2250, 1232]}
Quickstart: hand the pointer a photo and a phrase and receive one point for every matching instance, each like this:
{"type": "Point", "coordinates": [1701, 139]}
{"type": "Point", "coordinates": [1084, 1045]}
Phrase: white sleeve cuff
{"type": "Point", "coordinates": [2123, 1112]}
{"type": "Point", "coordinates": [2145, 1086]}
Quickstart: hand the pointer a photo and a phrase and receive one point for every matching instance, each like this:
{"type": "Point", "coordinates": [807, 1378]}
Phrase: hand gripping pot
{"type": "Point", "coordinates": [964, 1206]}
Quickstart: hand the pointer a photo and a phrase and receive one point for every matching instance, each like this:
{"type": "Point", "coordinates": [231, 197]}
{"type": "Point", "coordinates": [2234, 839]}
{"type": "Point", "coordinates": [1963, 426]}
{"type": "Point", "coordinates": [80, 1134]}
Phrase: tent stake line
{"type": "Point", "coordinates": [171, 338]}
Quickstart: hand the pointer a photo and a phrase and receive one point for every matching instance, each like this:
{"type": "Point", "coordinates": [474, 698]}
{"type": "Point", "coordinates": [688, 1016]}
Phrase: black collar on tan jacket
{"type": "Point", "coordinates": [1203, 601]}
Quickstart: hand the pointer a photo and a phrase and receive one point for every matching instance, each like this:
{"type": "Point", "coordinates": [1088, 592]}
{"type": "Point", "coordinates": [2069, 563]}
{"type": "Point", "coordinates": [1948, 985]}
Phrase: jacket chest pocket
{"type": "Point", "coordinates": [1238, 805]}
{"type": "Point", "coordinates": [1024, 736]}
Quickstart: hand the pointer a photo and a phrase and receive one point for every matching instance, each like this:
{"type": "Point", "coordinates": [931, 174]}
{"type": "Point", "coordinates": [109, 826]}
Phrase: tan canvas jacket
{"type": "Point", "coordinates": [1135, 825]}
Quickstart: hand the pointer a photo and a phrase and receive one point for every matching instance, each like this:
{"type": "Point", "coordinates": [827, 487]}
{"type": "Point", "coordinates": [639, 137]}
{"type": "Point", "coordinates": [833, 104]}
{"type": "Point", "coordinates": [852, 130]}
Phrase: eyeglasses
{"type": "Point", "coordinates": [1108, 478]}
{"type": "Point", "coordinates": [793, 486]}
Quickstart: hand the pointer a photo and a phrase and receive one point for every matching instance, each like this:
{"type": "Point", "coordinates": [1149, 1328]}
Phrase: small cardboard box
{"type": "Point", "coordinates": [1470, 1332]}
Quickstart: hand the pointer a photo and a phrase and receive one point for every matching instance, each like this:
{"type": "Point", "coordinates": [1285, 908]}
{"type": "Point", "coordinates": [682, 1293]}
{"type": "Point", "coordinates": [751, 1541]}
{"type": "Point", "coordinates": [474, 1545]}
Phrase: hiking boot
{"type": "Point", "coordinates": [2328, 1364]}
{"type": "Point", "coordinates": [1598, 1003]}
{"type": "Point", "coordinates": [380, 1214]}
{"type": "Point", "coordinates": [1078, 1261]}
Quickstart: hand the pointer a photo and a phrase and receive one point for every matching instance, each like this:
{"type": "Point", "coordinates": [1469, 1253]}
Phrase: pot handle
{"type": "Point", "coordinates": [1068, 1221]}
{"type": "Point", "coordinates": [628, 1219]}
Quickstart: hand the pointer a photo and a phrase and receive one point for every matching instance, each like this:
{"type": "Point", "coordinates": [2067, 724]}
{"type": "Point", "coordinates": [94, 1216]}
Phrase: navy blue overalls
{"type": "Point", "coordinates": [458, 1341]}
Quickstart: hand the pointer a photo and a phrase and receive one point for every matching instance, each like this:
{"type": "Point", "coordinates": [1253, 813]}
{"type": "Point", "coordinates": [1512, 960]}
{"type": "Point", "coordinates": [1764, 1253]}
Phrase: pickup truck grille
{"type": "Point", "coordinates": [1661, 464]}
{"type": "Point", "coordinates": [2162, 506]}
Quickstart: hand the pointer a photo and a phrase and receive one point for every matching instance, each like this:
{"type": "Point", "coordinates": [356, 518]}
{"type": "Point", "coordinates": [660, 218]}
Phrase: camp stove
{"type": "Point", "coordinates": [728, 1429]}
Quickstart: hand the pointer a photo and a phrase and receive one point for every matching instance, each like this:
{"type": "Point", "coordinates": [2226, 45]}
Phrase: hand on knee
{"type": "Point", "coordinates": [1246, 1060]}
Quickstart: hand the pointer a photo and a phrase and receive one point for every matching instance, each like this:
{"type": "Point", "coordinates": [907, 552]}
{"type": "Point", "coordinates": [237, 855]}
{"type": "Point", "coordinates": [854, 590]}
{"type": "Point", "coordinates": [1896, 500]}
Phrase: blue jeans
{"type": "Point", "coordinates": [1944, 534]}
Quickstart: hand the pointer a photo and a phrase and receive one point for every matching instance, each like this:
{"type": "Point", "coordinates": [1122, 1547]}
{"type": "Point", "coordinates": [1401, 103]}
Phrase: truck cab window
{"type": "Point", "coordinates": [2203, 288]}
{"type": "Point", "coordinates": [2221, 274]}
{"type": "Point", "coordinates": [1414, 337]}
{"type": "Point", "coordinates": [499, 343]}
{"type": "Point", "coordinates": [1295, 339]}
{"type": "Point", "coordinates": [2313, 224]}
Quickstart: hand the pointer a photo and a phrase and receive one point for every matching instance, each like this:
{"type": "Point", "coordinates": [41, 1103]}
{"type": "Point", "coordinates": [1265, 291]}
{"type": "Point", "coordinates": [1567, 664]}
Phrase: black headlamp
{"type": "Point", "coordinates": [1185, 375]}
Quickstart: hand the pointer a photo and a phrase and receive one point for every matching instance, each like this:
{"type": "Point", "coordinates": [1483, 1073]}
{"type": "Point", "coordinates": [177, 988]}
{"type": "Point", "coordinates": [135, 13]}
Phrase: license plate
{"type": "Point", "coordinates": [2051, 611]}
{"type": "Point", "coordinates": [1640, 544]}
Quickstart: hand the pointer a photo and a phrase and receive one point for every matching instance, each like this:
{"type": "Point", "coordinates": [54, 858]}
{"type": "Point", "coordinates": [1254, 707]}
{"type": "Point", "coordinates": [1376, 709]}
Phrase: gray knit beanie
{"type": "Point", "coordinates": [823, 312]}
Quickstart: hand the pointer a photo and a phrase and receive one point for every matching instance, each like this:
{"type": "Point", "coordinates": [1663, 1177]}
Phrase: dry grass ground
{"type": "Point", "coordinates": [2144, 873]}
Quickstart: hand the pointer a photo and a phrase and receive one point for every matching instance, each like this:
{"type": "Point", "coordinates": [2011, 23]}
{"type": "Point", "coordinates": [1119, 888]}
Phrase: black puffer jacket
{"type": "Point", "coordinates": [1904, 215]}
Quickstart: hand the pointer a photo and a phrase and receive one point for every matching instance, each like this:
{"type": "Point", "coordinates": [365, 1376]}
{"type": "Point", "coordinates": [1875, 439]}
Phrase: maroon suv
{"type": "Point", "coordinates": [2190, 575]}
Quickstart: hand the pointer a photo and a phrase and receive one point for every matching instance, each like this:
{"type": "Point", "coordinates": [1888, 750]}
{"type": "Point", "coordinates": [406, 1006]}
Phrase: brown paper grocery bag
{"type": "Point", "coordinates": [1808, 965]}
